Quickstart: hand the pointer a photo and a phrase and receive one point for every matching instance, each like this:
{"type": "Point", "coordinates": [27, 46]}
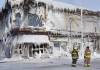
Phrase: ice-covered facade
{"type": "Point", "coordinates": [30, 27]}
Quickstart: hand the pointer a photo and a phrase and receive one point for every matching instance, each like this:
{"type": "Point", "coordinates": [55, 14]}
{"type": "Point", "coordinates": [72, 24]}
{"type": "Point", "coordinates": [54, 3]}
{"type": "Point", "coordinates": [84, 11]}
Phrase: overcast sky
{"type": "Point", "coordinates": [90, 4]}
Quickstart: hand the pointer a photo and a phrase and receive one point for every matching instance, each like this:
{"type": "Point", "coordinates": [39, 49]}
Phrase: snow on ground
{"type": "Point", "coordinates": [59, 58]}
{"type": "Point", "coordinates": [49, 64]}
{"type": "Point", "coordinates": [96, 55]}
{"type": "Point", "coordinates": [56, 61]}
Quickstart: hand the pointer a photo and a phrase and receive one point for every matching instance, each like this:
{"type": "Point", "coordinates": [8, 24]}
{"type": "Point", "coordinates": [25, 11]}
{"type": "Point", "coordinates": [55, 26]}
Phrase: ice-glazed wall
{"type": "Point", "coordinates": [17, 15]}
{"type": "Point", "coordinates": [62, 21]}
{"type": "Point", "coordinates": [52, 19]}
{"type": "Point", "coordinates": [26, 12]}
{"type": "Point", "coordinates": [14, 2]}
{"type": "Point", "coordinates": [51, 15]}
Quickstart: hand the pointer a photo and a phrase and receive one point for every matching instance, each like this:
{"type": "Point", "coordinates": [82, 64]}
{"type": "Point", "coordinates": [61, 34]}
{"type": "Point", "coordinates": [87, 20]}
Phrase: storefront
{"type": "Point", "coordinates": [30, 45]}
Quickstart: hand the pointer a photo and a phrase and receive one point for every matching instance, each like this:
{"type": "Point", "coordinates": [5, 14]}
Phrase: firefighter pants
{"type": "Point", "coordinates": [87, 61]}
{"type": "Point", "coordinates": [74, 61]}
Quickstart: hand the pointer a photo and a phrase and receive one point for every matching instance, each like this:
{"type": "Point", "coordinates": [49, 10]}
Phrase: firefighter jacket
{"type": "Point", "coordinates": [74, 54]}
{"type": "Point", "coordinates": [87, 54]}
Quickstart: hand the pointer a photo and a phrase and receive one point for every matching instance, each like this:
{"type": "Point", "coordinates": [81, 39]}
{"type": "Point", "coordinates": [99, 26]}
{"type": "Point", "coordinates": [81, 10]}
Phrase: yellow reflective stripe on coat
{"type": "Point", "coordinates": [88, 56]}
{"type": "Point", "coordinates": [88, 52]}
{"type": "Point", "coordinates": [74, 53]}
{"type": "Point", "coordinates": [74, 57]}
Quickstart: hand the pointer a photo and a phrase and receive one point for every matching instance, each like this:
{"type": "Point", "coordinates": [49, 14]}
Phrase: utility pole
{"type": "Point", "coordinates": [82, 47]}
{"type": "Point", "coordinates": [70, 22]}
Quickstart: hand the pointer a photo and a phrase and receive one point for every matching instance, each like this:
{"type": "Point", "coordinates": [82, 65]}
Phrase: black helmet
{"type": "Point", "coordinates": [87, 47]}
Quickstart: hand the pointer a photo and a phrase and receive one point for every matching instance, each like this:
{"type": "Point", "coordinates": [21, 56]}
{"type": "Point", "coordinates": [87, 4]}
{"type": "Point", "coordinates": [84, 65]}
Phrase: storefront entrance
{"type": "Point", "coordinates": [29, 50]}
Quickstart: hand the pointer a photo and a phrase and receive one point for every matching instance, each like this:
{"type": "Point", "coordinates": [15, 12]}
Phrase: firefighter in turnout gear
{"type": "Point", "coordinates": [87, 57]}
{"type": "Point", "coordinates": [75, 56]}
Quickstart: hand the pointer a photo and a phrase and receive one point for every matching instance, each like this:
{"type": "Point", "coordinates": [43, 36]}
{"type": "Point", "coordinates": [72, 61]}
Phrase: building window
{"type": "Point", "coordinates": [34, 20]}
{"type": "Point", "coordinates": [20, 47]}
{"type": "Point", "coordinates": [15, 52]}
{"type": "Point", "coordinates": [57, 44]}
{"type": "Point", "coordinates": [18, 19]}
{"type": "Point", "coordinates": [20, 52]}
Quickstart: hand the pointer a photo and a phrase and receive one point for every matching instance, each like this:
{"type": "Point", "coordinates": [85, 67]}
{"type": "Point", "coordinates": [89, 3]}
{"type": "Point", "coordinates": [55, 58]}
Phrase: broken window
{"type": "Point", "coordinates": [20, 52]}
{"type": "Point", "coordinates": [57, 44]}
{"type": "Point", "coordinates": [18, 19]}
{"type": "Point", "coordinates": [20, 47]}
{"type": "Point", "coordinates": [34, 20]}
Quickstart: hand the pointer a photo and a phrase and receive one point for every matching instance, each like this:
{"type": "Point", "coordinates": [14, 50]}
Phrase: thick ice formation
{"type": "Point", "coordinates": [38, 39]}
{"type": "Point", "coordinates": [55, 22]}
{"type": "Point", "coordinates": [14, 2]}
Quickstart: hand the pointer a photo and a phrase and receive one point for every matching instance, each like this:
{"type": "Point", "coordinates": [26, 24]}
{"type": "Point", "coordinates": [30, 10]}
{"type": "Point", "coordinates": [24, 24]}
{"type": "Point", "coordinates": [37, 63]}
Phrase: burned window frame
{"type": "Point", "coordinates": [37, 20]}
{"type": "Point", "coordinates": [18, 19]}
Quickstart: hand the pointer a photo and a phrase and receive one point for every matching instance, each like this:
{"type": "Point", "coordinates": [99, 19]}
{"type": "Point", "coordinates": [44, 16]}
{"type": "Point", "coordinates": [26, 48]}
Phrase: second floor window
{"type": "Point", "coordinates": [34, 20]}
{"type": "Point", "coordinates": [18, 19]}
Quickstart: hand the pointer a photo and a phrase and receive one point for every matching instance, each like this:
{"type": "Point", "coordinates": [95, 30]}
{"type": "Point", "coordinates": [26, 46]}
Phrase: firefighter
{"type": "Point", "coordinates": [87, 57]}
{"type": "Point", "coordinates": [75, 56]}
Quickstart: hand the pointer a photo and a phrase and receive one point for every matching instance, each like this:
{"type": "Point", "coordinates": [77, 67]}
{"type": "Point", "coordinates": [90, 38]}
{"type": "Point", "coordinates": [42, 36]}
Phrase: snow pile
{"type": "Point", "coordinates": [56, 52]}
{"type": "Point", "coordinates": [13, 59]}
{"type": "Point", "coordinates": [45, 55]}
{"type": "Point", "coordinates": [38, 55]}
{"type": "Point", "coordinates": [59, 52]}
